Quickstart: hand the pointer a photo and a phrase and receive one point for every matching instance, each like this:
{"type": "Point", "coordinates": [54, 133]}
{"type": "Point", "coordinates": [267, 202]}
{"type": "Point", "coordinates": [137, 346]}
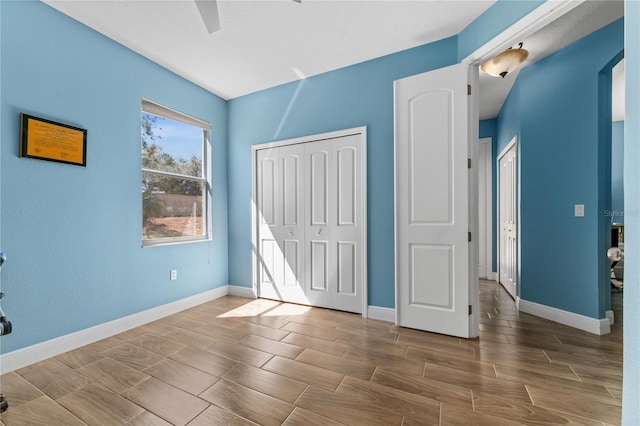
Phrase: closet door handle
{"type": "Point", "coordinates": [319, 231]}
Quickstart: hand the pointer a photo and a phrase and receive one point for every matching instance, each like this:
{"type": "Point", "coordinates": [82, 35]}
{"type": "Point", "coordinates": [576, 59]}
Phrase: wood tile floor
{"type": "Point", "coordinates": [241, 362]}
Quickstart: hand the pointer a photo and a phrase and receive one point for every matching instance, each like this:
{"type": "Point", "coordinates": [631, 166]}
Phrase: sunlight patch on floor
{"type": "Point", "coordinates": [251, 309]}
{"type": "Point", "coordinates": [265, 308]}
{"type": "Point", "coordinates": [287, 309]}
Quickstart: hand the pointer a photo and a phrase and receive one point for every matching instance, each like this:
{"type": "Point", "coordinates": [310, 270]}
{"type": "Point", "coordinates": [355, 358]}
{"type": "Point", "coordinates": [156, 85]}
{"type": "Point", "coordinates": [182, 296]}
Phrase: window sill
{"type": "Point", "coordinates": [173, 241]}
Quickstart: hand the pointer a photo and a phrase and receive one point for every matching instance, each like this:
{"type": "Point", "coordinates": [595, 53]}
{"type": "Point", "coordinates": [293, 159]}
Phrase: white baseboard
{"type": "Point", "coordinates": [591, 325]}
{"type": "Point", "coordinates": [382, 314]}
{"type": "Point", "coordinates": [240, 291]}
{"type": "Point", "coordinates": [610, 317]}
{"type": "Point", "coordinates": [35, 353]}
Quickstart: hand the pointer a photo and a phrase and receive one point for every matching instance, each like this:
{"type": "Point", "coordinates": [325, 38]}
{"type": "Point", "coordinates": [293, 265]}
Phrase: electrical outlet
{"type": "Point", "coordinates": [174, 274]}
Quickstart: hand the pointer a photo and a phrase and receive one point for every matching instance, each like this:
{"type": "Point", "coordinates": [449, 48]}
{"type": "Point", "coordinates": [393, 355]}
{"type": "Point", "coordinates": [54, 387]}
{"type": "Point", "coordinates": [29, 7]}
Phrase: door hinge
{"type": "Point", "coordinates": [470, 309]}
{"type": "Point", "coordinates": [468, 163]}
{"type": "Point", "coordinates": [469, 236]}
{"type": "Point", "coordinates": [468, 89]}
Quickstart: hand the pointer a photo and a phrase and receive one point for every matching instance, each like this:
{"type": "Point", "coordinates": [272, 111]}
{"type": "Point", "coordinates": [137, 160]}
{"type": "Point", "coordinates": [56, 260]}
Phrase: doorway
{"type": "Point", "coordinates": [611, 144]}
{"type": "Point", "coordinates": [485, 202]}
{"type": "Point", "coordinates": [536, 285]}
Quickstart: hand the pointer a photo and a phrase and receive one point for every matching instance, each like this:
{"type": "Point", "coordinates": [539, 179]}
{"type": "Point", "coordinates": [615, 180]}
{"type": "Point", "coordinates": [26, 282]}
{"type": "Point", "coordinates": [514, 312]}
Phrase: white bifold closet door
{"type": "Point", "coordinates": [281, 228]}
{"type": "Point", "coordinates": [310, 218]}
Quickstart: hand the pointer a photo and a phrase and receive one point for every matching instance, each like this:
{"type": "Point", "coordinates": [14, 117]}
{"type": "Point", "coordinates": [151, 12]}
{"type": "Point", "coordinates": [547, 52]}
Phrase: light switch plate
{"type": "Point", "coordinates": [579, 210]}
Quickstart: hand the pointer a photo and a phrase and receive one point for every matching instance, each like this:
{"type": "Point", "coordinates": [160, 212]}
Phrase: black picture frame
{"type": "Point", "coordinates": [48, 140]}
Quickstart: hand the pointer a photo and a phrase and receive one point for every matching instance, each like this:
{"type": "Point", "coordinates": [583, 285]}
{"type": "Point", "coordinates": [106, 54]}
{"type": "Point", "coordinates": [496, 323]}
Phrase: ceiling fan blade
{"type": "Point", "coordinates": [209, 13]}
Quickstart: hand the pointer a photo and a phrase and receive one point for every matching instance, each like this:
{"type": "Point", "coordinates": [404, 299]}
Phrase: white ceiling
{"type": "Point", "coordinates": [264, 43]}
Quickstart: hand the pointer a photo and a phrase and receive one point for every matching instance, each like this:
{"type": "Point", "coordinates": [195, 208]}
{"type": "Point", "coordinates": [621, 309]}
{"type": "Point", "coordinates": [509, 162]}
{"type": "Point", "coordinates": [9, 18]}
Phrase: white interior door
{"type": "Point", "coordinates": [281, 227]}
{"type": "Point", "coordinates": [484, 209]}
{"type": "Point", "coordinates": [432, 201]}
{"type": "Point", "coordinates": [507, 218]}
{"type": "Point", "coordinates": [310, 199]}
{"type": "Point", "coordinates": [333, 248]}
{"type": "Point", "coordinates": [268, 230]}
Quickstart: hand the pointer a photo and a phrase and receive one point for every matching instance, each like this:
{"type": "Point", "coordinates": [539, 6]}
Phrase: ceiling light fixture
{"type": "Point", "coordinates": [505, 62]}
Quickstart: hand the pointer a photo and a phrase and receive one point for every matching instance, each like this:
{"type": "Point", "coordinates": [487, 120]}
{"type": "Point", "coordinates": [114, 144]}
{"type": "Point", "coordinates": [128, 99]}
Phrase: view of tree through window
{"type": "Point", "coordinates": [173, 179]}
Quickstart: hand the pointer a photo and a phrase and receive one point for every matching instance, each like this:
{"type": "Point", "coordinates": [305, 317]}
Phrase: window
{"type": "Point", "coordinates": [175, 198]}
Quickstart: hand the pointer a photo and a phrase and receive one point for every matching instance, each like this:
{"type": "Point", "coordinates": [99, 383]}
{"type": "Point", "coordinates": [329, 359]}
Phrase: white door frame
{"type": "Point", "coordinates": [513, 143]}
{"type": "Point", "coordinates": [486, 216]}
{"type": "Point", "coordinates": [537, 19]}
{"type": "Point", "coordinates": [362, 131]}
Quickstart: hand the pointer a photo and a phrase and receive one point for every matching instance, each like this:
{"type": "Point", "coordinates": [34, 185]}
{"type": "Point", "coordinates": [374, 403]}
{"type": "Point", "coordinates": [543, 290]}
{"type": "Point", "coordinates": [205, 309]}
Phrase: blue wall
{"type": "Point", "coordinates": [553, 108]}
{"type": "Point", "coordinates": [489, 129]}
{"type": "Point", "coordinates": [73, 234]}
{"type": "Point", "coordinates": [631, 379]}
{"type": "Point", "coordinates": [617, 172]}
{"type": "Point", "coordinates": [360, 95]}
{"type": "Point", "coordinates": [1, 97]}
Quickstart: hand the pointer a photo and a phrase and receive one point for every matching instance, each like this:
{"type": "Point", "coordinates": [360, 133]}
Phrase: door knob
{"type": "Point", "coordinates": [290, 233]}
{"type": "Point", "coordinates": [319, 231]}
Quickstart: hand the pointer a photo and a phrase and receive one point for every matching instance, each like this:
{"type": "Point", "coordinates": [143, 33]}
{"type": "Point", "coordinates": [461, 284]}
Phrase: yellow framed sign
{"type": "Point", "coordinates": [47, 140]}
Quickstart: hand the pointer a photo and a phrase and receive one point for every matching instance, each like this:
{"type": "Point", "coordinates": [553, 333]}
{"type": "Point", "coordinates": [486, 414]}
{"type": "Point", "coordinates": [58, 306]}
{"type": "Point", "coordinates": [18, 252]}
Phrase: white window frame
{"type": "Point", "coordinates": [154, 108]}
